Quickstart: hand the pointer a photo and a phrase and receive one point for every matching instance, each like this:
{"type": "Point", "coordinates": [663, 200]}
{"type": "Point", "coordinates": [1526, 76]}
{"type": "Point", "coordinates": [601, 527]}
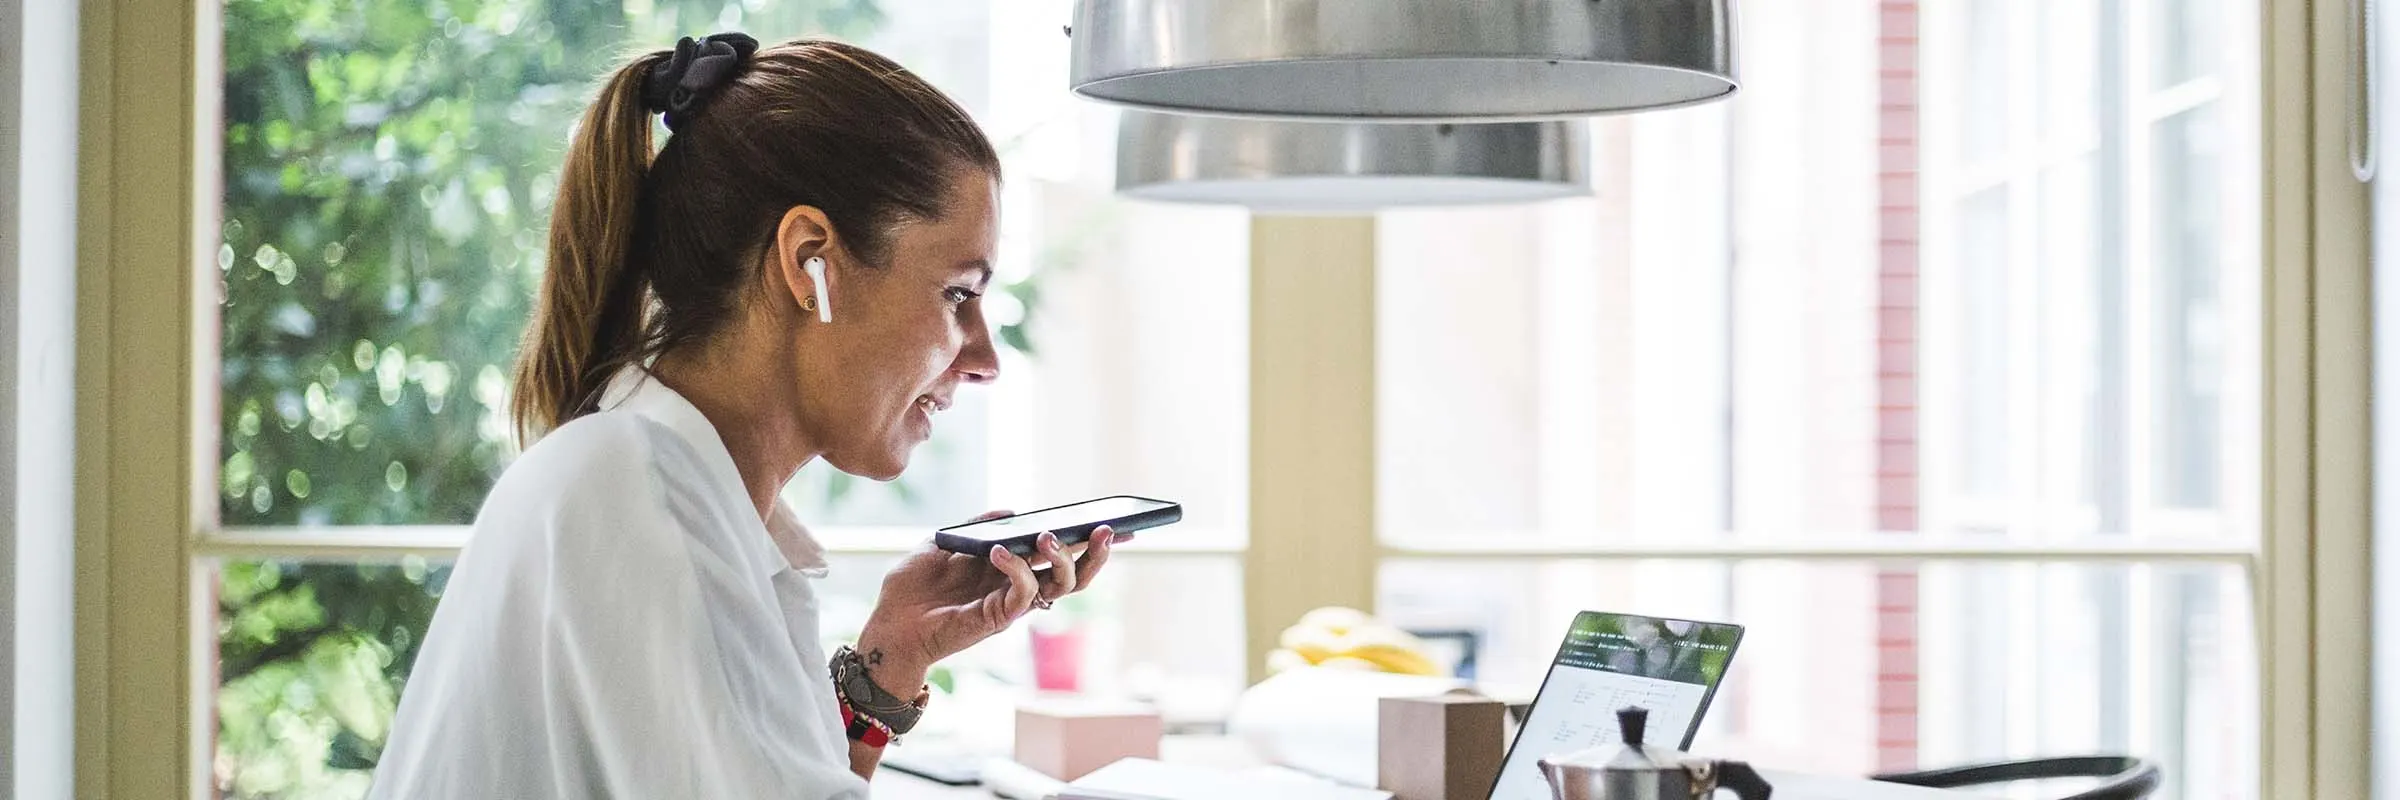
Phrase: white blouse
{"type": "Point", "coordinates": [623, 625]}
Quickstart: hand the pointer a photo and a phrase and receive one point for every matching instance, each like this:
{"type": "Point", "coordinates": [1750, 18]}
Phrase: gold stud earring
{"type": "Point", "coordinates": [808, 302]}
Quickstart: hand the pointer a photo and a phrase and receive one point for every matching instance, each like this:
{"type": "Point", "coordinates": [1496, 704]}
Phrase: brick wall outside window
{"type": "Point", "coordinates": [1896, 380]}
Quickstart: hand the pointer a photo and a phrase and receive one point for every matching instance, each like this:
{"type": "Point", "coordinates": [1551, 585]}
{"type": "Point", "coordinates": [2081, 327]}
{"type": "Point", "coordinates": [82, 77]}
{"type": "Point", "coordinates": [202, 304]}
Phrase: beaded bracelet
{"type": "Point", "coordinates": [864, 729]}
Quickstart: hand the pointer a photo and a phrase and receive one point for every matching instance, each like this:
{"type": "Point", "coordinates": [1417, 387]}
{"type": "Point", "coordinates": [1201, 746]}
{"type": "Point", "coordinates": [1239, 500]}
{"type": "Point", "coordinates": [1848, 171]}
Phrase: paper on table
{"type": "Point", "coordinates": [1009, 779]}
{"type": "Point", "coordinates": [1144, 779]}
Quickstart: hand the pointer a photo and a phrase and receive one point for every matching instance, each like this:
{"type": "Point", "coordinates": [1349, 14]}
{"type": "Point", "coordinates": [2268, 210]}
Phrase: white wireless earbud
{"type": "Point", "coordinates": [815, 265]}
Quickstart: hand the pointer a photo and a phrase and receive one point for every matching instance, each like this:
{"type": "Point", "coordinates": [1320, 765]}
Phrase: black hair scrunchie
{"type": "Point", "coordinates": [678, 87]}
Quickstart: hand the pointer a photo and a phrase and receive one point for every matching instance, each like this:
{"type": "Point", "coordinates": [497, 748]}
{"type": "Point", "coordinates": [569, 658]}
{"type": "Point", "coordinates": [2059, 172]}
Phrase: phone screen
{"type": "Point", "coordinates": [1084, 513]}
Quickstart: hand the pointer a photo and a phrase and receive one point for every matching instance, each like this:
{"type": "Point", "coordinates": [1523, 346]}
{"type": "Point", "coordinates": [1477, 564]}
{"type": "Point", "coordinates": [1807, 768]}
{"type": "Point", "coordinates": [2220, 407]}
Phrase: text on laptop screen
{"type": "Point", "coordinates": [1608, 662]}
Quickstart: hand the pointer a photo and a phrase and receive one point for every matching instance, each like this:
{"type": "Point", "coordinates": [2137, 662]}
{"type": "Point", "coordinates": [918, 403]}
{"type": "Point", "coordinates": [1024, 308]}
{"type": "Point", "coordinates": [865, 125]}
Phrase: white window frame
{"type": "Point", "coordinates": [148, 145]}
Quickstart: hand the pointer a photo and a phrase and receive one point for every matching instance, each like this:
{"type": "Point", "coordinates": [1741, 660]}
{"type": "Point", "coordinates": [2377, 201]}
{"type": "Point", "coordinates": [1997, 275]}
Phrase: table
{"type": "Point", "coordinates": [889, 785]}
{"type": "Point", "coordinates": [1222, 751]}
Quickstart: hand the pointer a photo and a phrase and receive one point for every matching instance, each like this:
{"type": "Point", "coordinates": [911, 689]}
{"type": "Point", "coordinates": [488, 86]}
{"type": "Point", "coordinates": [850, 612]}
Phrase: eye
{"type": "Point", "coordinates": [959, 295]}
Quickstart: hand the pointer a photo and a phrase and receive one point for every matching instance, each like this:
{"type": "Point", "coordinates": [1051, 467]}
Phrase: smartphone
{"type": "Point", "coordinates": [1072, 523]}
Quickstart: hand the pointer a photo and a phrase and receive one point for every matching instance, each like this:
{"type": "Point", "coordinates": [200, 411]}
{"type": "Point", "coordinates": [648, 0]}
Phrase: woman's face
{"type": "Point", "coordinates": [904, 335]}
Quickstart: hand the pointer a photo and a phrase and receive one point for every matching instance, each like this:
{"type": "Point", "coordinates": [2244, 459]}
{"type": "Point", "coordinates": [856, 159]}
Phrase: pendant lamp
{"type": "Point", "coordinates": [1403, 60]}
{"type": "Point", "coordinates": [1279, 166]}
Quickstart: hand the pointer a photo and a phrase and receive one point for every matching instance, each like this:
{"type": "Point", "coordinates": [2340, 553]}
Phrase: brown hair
{"type": "Point", "coordinates": [648, 252]}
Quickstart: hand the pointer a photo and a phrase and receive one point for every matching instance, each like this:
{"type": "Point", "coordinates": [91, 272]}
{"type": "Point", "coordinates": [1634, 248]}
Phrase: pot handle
{"type": "Point", "coordinates": [1744, 781]}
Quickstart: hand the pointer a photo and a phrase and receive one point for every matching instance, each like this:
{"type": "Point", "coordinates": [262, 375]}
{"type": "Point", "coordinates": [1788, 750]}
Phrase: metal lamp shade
{"type": "Point", "coordinates": [1403, 60]}
{"type": "Point", "coordinates": [1278, 166]}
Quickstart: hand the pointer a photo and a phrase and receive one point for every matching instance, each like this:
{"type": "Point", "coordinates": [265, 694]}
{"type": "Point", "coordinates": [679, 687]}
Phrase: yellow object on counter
{"type": "Point", "coordinates": [1346, 638]}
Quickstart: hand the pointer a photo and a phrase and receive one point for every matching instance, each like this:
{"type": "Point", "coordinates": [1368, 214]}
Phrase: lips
{"type": "Point", "coordinates": [924, 409]}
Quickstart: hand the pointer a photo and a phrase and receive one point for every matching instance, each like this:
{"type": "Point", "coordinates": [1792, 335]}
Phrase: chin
{"type": "Point", "coordinates": [882, 467]}
{"type": "Point", "coordinates": [874, 459]}
{"type": "Point", "coordinates": [880, 470]}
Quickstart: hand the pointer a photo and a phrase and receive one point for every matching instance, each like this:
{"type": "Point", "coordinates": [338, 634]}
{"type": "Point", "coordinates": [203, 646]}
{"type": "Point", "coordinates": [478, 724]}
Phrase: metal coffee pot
{"type": "Point", "coordinates": [1646, 772]}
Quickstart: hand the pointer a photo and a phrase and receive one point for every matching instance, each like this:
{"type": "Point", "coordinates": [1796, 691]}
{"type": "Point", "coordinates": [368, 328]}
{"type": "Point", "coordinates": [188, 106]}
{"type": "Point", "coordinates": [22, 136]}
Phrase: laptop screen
{"type": "Point", "coordinates": [1610, 661]}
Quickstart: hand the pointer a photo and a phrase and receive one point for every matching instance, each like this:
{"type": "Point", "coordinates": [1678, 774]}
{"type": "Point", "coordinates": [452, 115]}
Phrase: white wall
{"type": "Point", "coordinates": [37, 335]}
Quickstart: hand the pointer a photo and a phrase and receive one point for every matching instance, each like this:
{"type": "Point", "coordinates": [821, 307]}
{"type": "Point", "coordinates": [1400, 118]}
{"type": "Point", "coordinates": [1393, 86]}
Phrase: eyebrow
{"type": "Point", "coordinates": [983, 266]}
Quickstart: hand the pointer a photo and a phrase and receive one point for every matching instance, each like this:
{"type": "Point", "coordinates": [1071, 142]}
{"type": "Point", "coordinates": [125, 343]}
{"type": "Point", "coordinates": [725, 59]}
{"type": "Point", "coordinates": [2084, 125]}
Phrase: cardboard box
{"type": "Point", "coordinates": [1442, 747]}
{"type": "Point", "coordinates": [1069, 738]}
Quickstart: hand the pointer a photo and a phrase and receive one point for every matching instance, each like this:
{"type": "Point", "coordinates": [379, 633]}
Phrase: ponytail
{"type": "Point", "coordinates": [589, 318]}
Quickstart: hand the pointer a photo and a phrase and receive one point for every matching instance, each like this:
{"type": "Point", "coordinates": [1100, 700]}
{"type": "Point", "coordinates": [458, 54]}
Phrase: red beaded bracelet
{"type": "Point", "coordinates": [864, 729]}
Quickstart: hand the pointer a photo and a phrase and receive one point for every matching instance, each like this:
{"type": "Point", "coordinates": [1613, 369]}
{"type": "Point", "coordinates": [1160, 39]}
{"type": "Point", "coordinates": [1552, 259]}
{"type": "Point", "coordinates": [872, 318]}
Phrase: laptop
{"type": "Point", "coordinates": [1607, 662]}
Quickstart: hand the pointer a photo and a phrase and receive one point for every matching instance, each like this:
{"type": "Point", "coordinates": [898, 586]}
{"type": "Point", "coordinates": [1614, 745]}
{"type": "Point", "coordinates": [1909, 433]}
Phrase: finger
{"type": "Point", "coordinates": [1087, 569]}
{"type": "Point", "coordinates": [1079, 548]}
{"type": "Point", "coordinates": [992, 515]}
{"type": "Point", "coordinates": [1017, 597]}
{"type": "Point", "coordinates": [1062, 568]}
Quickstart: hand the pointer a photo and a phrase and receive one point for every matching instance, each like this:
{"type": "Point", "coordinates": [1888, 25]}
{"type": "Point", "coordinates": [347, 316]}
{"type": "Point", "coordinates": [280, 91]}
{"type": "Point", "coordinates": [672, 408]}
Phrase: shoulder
{"type": "Point", "coordinates": [613, 485]}
{"type": "Point", "coordinates": [596, 471]}
{"type": "Point", "coordinates": [609, 457]}
{"type": "Point", "coordinates": [591, 446]}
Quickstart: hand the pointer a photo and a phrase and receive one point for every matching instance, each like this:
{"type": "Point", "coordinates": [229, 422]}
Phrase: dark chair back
{"type": "Point", "coordinates": [2121, 777]}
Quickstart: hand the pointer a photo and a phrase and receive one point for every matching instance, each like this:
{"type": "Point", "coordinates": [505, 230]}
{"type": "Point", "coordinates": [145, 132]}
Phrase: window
{"type": "Point", "coordinates": [1776, 358]}
{"type": "Point", "coordinates": [1992, 293]}
{"type": "Point", "coordinates": [384, 204]}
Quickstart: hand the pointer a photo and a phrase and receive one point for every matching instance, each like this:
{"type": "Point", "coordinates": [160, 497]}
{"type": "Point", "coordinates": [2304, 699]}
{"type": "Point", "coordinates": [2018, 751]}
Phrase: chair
{"type": "Point", "coordinates": [2121, 777]}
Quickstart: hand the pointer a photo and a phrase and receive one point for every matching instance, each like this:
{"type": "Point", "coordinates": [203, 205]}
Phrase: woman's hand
{"type": "Point", "coordinates": [936, 603]}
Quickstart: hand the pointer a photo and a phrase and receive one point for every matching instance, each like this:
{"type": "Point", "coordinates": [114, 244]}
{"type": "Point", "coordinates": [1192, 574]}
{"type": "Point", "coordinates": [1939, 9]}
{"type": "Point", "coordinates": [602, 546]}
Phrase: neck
{"type": "Point", "coordinates": [746, 402]}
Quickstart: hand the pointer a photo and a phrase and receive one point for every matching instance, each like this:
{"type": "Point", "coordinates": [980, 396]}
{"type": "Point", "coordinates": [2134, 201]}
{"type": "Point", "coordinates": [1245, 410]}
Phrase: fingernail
{"type": "Point", "coordinates": [1049, 539]}
{"type": "Point", "coordinates": [996, 551]}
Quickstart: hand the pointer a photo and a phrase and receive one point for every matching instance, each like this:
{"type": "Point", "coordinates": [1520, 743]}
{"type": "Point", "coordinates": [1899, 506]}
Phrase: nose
{"type": "Point", "coordinates": [978, 361]}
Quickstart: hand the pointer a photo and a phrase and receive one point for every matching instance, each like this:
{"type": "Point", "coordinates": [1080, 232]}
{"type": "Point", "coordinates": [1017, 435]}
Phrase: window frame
{"type": "Point", "coordinates": [147, 167]}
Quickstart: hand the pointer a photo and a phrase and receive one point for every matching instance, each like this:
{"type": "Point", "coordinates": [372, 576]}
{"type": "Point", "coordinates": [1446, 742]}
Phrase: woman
{"type": "Point", "coordinates": [793, 276]}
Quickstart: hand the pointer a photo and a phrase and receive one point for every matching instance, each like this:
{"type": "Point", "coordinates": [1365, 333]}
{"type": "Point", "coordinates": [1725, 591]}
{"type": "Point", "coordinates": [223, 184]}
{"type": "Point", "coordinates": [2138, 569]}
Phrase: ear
{"type": "Point", "coordinates": [803, 233]}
